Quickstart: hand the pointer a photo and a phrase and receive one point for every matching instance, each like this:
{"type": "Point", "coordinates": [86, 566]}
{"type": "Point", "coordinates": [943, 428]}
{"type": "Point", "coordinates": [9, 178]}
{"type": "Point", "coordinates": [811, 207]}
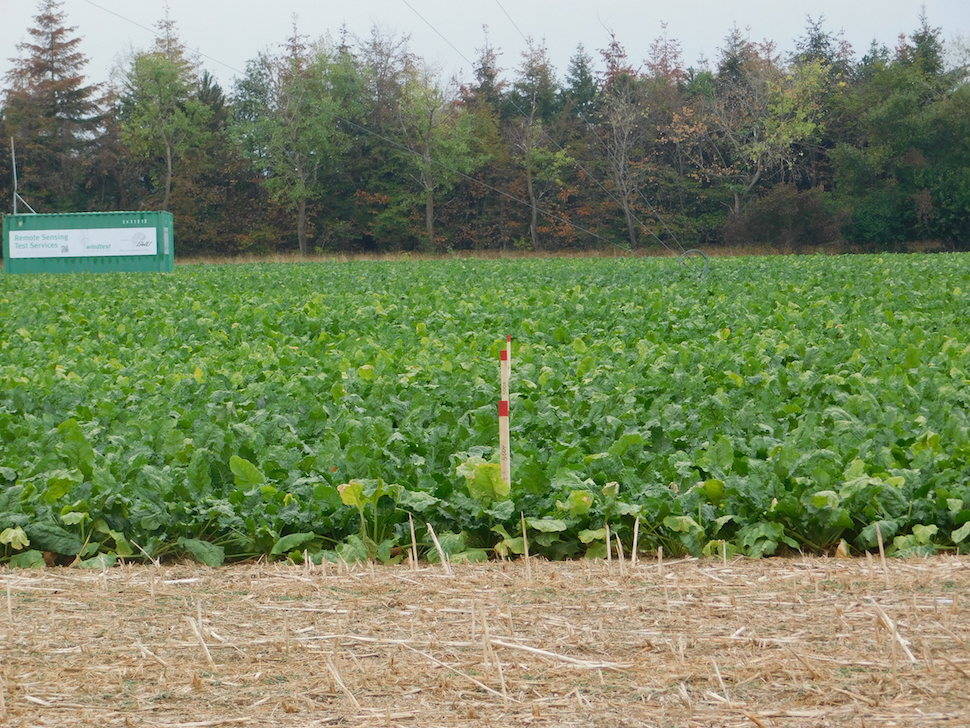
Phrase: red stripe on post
{"type": "Point", "coordinates": [503, 355]}
{"type": "Point", "coordinates": [508, 337]}
{"type": "Point", "coordinates": [503, 408]}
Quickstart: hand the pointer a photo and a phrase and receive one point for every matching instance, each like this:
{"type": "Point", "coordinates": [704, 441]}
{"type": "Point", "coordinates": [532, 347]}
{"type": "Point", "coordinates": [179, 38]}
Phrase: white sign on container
{"type": "Point", "coordinates": [87, 242]}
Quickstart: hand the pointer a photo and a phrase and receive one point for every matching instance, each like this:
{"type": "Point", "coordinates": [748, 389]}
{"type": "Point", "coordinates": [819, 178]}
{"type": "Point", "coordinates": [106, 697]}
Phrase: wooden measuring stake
{"type": "Point", "coordinates": [505, 456]}
{"type": "Point", "coordinates": [505, 373]}
{"type": "Point", "coordinates": [504, 448]}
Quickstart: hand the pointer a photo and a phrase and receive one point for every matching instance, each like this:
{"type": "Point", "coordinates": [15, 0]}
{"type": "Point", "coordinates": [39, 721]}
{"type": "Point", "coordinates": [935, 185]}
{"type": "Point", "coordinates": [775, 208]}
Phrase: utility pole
{"type": "Point", "coordinates": [16, 193]}
{"type": "Point", "coordinates": [13, 158]}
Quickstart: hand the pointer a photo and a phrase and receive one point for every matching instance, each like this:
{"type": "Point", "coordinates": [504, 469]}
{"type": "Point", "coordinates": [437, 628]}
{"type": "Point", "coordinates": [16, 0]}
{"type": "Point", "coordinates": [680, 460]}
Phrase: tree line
{"type": "Point", "coordinates": [356, 144]}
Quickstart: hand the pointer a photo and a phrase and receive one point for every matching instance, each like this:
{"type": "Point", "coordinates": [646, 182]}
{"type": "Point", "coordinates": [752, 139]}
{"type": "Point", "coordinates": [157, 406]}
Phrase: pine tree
{"type": "Point", "coordinates": [531, 105]}
{"type": "Point", "coordinates": [925, 49]}
{"type": "Point", "coordinates": [488, 88]}
{"type": "Point", "coordinates": [211, 94]}
{"type": "Point", "coordinates": [817, 44]}
{"type": "Point", "coordinates": [581, 88]}
{"type": "Point", "coordinates": [536, 84]}
{"type": "Point", "coordinates": [825, 47]}
{"type": "Point", "coordinates": [218, 202]}
{"type": "Point", "coordinates": [169, 45]}
{"type": "Point", "coordinates": [875, 58]}
{"type": "Point", "coordinates": [483, 97]}
{"type": "Point", "coordinates": [51, 111]}
{"type": "Point", "coordinates": [735, 53]}
{"type": "Point", "coordinates": [111, 180]}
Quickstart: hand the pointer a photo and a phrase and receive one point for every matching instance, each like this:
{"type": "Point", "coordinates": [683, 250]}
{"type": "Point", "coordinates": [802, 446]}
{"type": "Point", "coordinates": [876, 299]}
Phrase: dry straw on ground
{"type": "Point", "coordinates": [650, 251]}
{"type": "Point", "coordinates": [721, 251]}
{"type": "Point", "coordinates": [617, 251]}
{"type": "Point", "coordinates": [807, 642]}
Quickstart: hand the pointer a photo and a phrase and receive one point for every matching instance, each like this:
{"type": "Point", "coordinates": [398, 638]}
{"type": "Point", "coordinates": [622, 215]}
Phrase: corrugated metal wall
{"type": "Point", "coordinates": [126, 239]}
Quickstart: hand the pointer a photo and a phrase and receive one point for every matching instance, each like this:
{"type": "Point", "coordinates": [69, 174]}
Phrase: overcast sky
{"type": "Point", "coordinates": [234, 30]}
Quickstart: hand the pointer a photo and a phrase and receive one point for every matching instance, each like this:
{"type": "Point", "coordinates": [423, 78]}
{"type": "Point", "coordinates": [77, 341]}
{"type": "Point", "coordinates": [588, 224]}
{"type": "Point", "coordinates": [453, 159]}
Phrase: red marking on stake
{"type": "Point", "coordinates": [508, 337]}
{"type": "Point", "coordinates": [503, 355]}
{"type": "Point", "coordinates": [503, 408]}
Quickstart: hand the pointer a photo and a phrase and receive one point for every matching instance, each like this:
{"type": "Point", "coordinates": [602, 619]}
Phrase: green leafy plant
{"type": "Point", "coordinates": [225, 413]}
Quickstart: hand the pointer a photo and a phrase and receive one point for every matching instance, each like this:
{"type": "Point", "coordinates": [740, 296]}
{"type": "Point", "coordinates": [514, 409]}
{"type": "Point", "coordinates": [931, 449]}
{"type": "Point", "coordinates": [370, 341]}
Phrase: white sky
{"type": "Point", "coordinates": [234, 30]}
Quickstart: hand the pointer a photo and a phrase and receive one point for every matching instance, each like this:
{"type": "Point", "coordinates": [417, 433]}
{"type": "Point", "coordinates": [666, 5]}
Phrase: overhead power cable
{"type": "Point", "coordinates": [525, 203]}
{"type": "Point", "coordinates": [154, 33]}
{"type": "Point", "coordinates": [650, 207]}
{"type": "Point", "coordinates": [386, 139]}
{"type": "Point", "coordinates": [511, 20]}
{"type": "Point", "coordinates": [559, 146]}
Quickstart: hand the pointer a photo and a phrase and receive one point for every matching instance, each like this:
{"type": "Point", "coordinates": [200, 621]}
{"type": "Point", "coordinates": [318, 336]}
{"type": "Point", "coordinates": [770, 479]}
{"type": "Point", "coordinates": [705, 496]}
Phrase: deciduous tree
{"type": "Point", "coordinates": [288, 123]}
{"type": "Point", "coordinates": [161, 116]}
{"type": "Point", "coordinates": [440, 137]}
{"type": "Point", "coordinates": [621, 131]}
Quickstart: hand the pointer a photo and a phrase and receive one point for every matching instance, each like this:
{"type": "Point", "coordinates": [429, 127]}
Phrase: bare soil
{"type": "Point", "coordinates": [776, 642]}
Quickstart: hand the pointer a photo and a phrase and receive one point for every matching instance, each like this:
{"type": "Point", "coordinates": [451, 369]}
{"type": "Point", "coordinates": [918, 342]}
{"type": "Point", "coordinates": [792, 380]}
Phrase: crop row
{"type": "Point", "coordinates": [784, 404]}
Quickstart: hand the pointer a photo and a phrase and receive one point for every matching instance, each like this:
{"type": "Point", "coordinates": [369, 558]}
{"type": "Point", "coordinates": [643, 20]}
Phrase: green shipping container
{"type": "Point", "coordinates": [89, 242]}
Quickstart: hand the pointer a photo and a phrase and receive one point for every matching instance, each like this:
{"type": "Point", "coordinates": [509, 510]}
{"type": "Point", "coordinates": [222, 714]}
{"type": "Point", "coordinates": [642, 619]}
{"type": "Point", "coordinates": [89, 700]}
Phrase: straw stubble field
{"type": "Point", "coordinates": [780, 642]}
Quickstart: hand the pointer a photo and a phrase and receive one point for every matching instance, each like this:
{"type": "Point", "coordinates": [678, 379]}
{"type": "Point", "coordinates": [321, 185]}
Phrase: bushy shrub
{"type": "Point", "coordinates": [947, 215]}
{"type": "Point", "coordinates": [786, 218]}
{"type": "Point", "coordinates": [260, 241]}
{"type": "Point", "coordinates": [881, 219]}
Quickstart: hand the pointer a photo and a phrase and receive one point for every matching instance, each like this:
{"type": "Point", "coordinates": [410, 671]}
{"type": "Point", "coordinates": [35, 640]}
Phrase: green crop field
{"type": "Point", "coordinates": [225, 412]}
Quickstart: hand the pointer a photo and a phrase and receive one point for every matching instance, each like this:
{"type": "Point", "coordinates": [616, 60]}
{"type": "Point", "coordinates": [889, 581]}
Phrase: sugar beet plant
{"type": "Point", "coordinates": [806, 404]}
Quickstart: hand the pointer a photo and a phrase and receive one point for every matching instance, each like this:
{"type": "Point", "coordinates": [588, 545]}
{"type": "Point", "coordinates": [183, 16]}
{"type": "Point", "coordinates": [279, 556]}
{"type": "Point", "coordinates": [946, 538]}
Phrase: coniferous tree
{"type": "Point", "coordinates": [816, 44]}
{"type": "Point", "coordinates": [51, 111]}
{"type": "Point", "coordinates": [315, 148]}
{"type": "Point", "coordinates": [220, 205]}
{"type": "Point", "coordinates": [829, 53]}
{"type": "Point", "coordinates": [875, 58]}
{"type": "Point", "coordinates": [580, 193]}
{"type": "Point", "coordinates": [581, 89]}
{"type": "Point", "coordinates": [734, 54]}
{"type": "Point", "coordinates": [924, 50]}
{"type": "Point", "coordinates": [902, 174]}
{"type": "Point", "coordinates": [113, 179]}
{"type": "Point", "coordinates": [535, 86]}
{"type": "Point", "coordinates": [487, 89]}
{"type": "Point", "coordinates": [621, 129]}
{"type": "Point", "coordinates": [484, 98]}
{"type": "Point", "coordinates": [169, 44]}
